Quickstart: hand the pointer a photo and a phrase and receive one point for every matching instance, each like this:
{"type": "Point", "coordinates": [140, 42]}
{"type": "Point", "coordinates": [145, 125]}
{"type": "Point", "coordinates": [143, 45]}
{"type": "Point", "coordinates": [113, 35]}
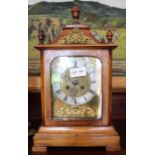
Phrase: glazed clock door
{"type": "Point", "coordinates": [76, 88]}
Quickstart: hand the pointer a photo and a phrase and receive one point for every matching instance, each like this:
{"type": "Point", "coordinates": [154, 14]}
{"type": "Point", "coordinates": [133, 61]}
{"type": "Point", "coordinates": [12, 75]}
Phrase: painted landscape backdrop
{"type": "Point", "coordinates": [52, 16]}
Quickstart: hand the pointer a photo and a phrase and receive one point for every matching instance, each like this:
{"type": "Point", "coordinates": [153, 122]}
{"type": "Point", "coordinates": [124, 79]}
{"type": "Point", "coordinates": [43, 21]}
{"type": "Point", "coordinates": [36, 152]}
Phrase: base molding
{"type": "Point", "coordinates": [76, 137]}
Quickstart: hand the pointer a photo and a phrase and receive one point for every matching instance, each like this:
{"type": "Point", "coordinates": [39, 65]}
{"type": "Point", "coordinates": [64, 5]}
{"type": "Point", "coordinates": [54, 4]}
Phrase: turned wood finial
{"type": "Point", "coordinates": [75, 14]}
{"type": "Point", "coordinates": [41, 36]}
{"type": "Point", "coordinates": [109, 36]}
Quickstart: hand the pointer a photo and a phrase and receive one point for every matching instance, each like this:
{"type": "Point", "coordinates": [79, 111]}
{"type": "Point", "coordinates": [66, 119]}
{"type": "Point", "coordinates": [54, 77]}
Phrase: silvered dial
{"type": "Point", "coordinates": [75, 80]}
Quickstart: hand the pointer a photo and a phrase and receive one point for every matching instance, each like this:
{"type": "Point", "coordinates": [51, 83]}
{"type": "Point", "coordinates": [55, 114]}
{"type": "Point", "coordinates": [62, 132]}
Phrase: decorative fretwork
{"type": "Point", "coordinates": [76, 37]}
{"type": "Point", "coordinates": [73, 112]}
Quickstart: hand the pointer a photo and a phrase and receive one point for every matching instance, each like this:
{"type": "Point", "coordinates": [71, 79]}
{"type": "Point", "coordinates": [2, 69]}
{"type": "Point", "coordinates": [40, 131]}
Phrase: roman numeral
{"type": "Point", "coordinates": [58, 91]}
{"type": "Point", "coordinates": [93, 81]}
{"type": "Point", "coordinates": [85, 98]}
{"type": "Point", "coordinates": [91, 72]}
{"type": "Point", "coordinates": [75, 101]}
{"type": "Point", "coordinates": [65, 98]}
{"type": "Point", "coordinates": [91, 91]}
{"type": "Point", "coordinates": [75, 63]}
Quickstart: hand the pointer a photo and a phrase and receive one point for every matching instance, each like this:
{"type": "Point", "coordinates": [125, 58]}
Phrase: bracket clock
{"type": "Point", "coordinates": [76, 92]}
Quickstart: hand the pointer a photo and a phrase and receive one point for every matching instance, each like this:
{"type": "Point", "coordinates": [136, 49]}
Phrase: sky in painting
{"type": "Point", "coordinates": [115, 3]}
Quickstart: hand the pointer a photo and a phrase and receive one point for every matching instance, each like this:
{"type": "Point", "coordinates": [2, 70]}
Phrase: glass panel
{"type": "Point", "coordinates": [76, 88]}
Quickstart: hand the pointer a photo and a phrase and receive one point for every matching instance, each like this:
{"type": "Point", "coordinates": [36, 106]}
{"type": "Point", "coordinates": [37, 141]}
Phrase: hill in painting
{"type": "Point", "coordinates": [92, 11]}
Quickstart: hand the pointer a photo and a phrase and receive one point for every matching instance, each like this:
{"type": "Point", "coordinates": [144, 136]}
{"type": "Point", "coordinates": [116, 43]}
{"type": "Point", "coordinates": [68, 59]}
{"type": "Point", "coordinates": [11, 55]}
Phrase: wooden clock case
{"type": "Point", "coordinates": [99, 132]}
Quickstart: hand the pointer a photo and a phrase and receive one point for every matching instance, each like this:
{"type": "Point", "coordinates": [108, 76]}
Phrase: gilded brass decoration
{"type": "Point", "coordinates": [76, 37]}
{"type": "Point", "coordinates": [76, 112]}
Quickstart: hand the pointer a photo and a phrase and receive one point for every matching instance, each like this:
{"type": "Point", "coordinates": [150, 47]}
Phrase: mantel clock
{"type": "Point", "coordinates": [76, 92]}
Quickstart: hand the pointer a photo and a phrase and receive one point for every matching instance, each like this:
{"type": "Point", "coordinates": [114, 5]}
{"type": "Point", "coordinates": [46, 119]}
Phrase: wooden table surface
{"type": "Point", "coordinates": [118, 83]}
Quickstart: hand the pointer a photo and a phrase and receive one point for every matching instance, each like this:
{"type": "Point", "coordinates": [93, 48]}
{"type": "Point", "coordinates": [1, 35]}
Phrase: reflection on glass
{"type": "Point", "coordinates": [76, 88]}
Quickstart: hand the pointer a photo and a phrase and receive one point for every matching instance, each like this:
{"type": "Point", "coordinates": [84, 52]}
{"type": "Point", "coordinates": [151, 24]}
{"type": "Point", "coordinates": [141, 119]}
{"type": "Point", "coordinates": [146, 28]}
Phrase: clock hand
{"type": "Point", "coordinates": [74, 94]}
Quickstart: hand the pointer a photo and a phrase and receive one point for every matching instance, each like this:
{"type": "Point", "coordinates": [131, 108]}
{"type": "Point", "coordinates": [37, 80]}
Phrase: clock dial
{"type": "Point", "coordinates": [76, 81]}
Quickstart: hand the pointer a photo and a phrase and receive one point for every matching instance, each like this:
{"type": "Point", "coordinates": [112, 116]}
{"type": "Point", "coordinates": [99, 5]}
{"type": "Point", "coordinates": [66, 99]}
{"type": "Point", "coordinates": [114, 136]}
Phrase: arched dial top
{"type": "Point", "coordinates": [75, 80]}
